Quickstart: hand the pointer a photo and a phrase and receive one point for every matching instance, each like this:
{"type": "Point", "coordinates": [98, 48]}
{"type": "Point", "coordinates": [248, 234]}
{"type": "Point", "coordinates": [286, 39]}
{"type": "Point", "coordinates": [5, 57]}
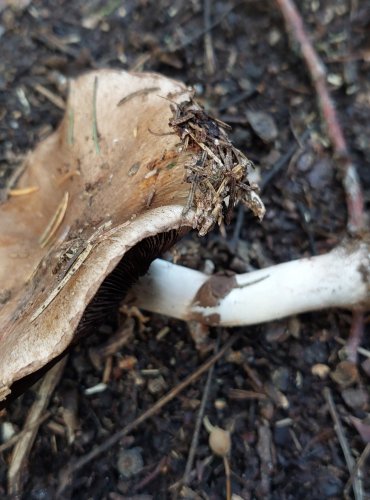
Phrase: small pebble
{"type": "Point", "coordinates": [7, 431]}
{"type": "Point", "coordinates": [263, 125]}
{"type": "Point", "coordinates": [220, 404]}
{"type": "Point", "coordinates": [320, 370]}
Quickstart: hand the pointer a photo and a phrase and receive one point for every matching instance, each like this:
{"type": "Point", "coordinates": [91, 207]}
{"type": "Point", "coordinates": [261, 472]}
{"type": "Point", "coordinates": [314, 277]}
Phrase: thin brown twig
{"type": "Point", "coordinates": [360, 350]}
{"type": "Point", "coordinates": [66, 473]}
{"type": "Point", "coordinates": [198, 425]}
{"type": "Point", "coordinates": [357, 481]}
{"type": "Point", "coordinates": [152, 475]}
{"type": "Point", "coordinates": [350, 179]}
{"type": "Point", "coordinates": [318, 73]}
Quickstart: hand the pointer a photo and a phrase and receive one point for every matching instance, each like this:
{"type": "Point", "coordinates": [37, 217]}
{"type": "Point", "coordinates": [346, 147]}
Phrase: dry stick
{"type": "Point", "coordinates": [208, 46]}
{"type": "Point", "coordinates": [318, 75]}
{"type": "Point", "coordinates": [198, 425]}
{"type": "Point", "coordinates": [25, 443]}
{"type": "Point", "coordinates": [152, 475]}
{"type": "Point", "coordinates": [359, 464]}
{"type": "Point", "coordinates": [360, 350]}
{"type": "Point", "coordinates": [14, 439]}
{"type": "Point", "coordinates": [228, 478]}
{"type": "Point", "coordinates": [50, 96]}
{"type": "Point", "coordinates": [357, 481]}
{"type": "Point", "coordinates": [351, 182]}
{"type": "Point", "coordinates": [81, 462]}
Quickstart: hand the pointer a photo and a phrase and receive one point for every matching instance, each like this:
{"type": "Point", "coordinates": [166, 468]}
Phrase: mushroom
{"type": "Point", "coordinates": [134, 164]}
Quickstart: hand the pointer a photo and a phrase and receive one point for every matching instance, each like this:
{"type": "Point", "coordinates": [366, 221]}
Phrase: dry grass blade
{"type": "Point", "coordinates": [23, 191]}
{"type": "Point", "coordinates": [55, 222]}
{"type": "Point", "coordinates": [198, 425]}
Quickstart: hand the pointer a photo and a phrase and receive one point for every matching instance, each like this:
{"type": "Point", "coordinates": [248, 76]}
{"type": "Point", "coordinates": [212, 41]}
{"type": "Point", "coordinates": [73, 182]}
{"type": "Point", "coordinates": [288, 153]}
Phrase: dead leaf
{"type": "Point", "coordinates": [362, 427]}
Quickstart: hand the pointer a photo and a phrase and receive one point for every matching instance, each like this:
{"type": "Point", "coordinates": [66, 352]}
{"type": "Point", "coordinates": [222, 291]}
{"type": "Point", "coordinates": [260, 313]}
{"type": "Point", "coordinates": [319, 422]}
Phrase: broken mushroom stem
{"type": "Point", "coordinates": [339, 278]}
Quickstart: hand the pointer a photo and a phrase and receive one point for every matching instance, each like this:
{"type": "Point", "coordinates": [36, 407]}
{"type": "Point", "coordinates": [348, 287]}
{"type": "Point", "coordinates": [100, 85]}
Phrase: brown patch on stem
{"type": "Point", "coordinates": [214, 289]}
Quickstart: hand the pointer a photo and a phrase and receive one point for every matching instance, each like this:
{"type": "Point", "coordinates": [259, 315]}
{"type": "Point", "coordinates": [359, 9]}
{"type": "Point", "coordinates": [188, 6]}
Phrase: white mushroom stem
{"type": "Point", "coordinates": [339, 278]}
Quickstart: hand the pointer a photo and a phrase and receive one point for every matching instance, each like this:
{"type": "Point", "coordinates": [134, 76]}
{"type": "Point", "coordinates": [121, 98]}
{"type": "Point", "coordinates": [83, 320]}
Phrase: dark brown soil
{"type": "Point", "coordinates": [284, 446]}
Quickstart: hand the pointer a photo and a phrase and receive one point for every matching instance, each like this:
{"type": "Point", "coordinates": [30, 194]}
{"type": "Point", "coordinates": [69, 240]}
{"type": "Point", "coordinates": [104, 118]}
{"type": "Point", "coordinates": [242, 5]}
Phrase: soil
{"type": "Point", "coordinates": [267, 391]}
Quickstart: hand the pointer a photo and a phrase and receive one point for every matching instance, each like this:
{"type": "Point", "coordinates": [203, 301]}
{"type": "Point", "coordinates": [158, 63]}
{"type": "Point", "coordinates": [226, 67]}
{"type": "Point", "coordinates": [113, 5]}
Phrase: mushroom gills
{"type": "Point", "coordinates": [103, 308]}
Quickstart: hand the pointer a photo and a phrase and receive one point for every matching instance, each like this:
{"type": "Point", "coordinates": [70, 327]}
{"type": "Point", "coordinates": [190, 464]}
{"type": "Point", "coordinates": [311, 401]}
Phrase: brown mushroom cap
{"type": "Point", "coordinates": [109, 177]}
{"type": "Point", "coordinates": [116, 182]}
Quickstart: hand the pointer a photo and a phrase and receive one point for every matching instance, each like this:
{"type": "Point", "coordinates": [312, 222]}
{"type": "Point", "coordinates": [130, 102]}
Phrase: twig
{"type": "Point", "coordinates": [66, 473]}
{"type": "Point", "coordinates": [50, 96]}
{"type": "Point", "coordinates": [266, 455]}
{"type": "Point", "coordinates": [357, 482]}
{"type": "Point", "coordinates": [359, 464]}
{"type": "Point", "coordinates": [360, 350]}
{"type": "Point", "coordinates": [24, 445]}
{"type": "Point", "coordinates": [228, 478]}
{"type": "Point", "coordinates": [152, 475]}
{"type": "Point", "coordinates": [317, 70]}
{"type": "Point", "coordinates": [351, 183]}
{"type": "Point", "coordinates": [198, 425]}
{"type": "Point", "coordinates": [208, 46]}
{"type": "Point", "coordinates": [14, 439]}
